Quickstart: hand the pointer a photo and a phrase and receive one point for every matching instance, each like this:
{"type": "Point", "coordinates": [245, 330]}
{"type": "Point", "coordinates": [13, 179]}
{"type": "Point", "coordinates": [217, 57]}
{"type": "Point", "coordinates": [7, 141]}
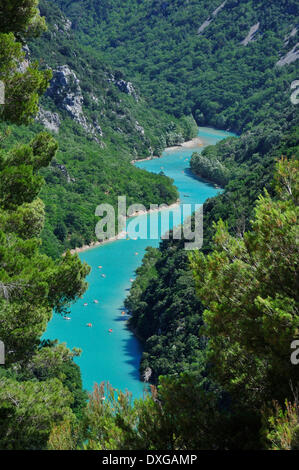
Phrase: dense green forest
{"type": "Point", "coordinates": [117, 80]}
{"type": "Point", "coordinates": [211, 73]}
{"type": "Point", "coordinates": [166, 312]}
{"type": "Point", "coordinates": [139, 92]}
{"type": "Point", "coordinates": [236, 388]}
{"type": "Point", "coordinates": [39, 385]}
{"type": "Point", "coordinates": [101, 123]}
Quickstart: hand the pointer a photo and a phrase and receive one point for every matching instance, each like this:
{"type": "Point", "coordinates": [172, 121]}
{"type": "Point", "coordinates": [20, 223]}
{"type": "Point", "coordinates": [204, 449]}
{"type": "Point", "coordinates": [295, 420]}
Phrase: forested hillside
{"type": "Point", "coordinates": [228, 64]}
{"type": "Point", "coordinates": [129, 67]}
{"type": "Point", "coordinates": [40, 386]}
{"type": "Point", "coordinates": [197, 56]}
{"type": "Point", "coordinates": [117, 80]}
{"type": "Point", "coordinates": [232, 66]}
{"type": "Point", "coordinates": [101, 122]}
{"type": "Point", "coordinates": [166, 313]}
{"type": "Point", "coordinates": [236, 387]}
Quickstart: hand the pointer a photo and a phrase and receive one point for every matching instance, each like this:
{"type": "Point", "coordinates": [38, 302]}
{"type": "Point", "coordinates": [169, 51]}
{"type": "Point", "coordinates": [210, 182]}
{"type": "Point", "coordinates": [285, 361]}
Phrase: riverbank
{"type": "Point", "coordinates": [115, 356]}
{"type": "Point", "coordinates": [189, 144]}
{"type": "Point", "coordinates": [153, 157]}
{"type": "Point", "coordinates": [123, 233]}
{"type": "Point", "coordinates": [205, 180]}
{"type": "Point", "coordinates": [92, 245]}
{"type": "Point", "coordinates": [193, 143]}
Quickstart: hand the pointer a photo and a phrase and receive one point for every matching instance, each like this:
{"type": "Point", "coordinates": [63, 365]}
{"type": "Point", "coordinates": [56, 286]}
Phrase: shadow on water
{"type": "Point", "coordinates": [132, 355]}
{"type": "Point", "coordinates": [192, 175]}
{"type": "Point", "coordinates": [119, 364]}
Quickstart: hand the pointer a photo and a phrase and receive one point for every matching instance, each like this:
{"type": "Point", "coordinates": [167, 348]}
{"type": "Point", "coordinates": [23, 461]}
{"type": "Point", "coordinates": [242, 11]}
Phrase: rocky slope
{"type": "Point", "coordinates": [101, 122]}
{"type": "Point", "coordinates": [227, 62]}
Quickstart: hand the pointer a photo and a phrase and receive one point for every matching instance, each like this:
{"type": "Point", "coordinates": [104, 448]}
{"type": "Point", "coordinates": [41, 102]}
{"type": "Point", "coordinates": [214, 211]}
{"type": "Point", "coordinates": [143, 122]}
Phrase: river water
{"type": "Point", "coordinates": [115, 356]}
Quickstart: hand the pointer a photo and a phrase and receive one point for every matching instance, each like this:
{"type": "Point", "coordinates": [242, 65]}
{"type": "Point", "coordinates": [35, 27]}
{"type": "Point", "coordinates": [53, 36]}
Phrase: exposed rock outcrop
{"type": "Point", "coordinates": [51, 121]}
{"type": "Point", "coordinates": [290, 36]}
{"type": "Point", "coordinates": [290, 57]}
{"type": "Point", "coordinates": [204, 26]}
{"type": "Point", "coordinates": [64, 26]}
{"type": "Point", "coordinates": [63, 170]}
{"type": "Point", "coordinates": [23, 66]}
{"type": "Point", "coordinates": [125, 87]}
{"type": "Point", "coordinates": [210, 19]}
{"type": "Point", "coordinates": [147, 374]}
{"type": "Point", "coordinates": [66, 92]}
{"type": "Point", "coordinates": [25, 63]}
{"type": "Point", "coordinates": [139, 128]}
{"type": "Point", "coordinates": [251, 36]}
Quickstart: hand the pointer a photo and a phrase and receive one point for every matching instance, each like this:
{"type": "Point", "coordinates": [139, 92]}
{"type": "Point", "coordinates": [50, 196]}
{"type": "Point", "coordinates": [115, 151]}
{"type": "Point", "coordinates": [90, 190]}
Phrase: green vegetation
{"type": "Point", "coordinates": [100, 128]}
{"type": "Point", "coordinates": [108, 44]}
{"type": "Point", "coordinates": [210, 168]}
{"type": "Point", "coordinates": [247, 286]}
{"type": "Point", "coordinates": [221, 81]}
{"type": "Point", "coordinates": [165, 311]}
{"type": "Point", "coordinates": [40, 385]}
{"type": "Point", "coordinates": [245, 280]}
{"type": "Point", "coordinates": [252, 383]}
{"type": "Point", "coordinates": [253, 151]}
{"type": "Point", "coordinates": [217, 324]}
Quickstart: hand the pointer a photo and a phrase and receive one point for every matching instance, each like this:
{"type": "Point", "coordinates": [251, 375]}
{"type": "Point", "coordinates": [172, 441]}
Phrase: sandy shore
{"type": "Point", "coordinates": [123, 234]}
{"type": "Point", "coordinates": [196, 142]}
{"type": "Point", "coordinates": [161, 208]}
{"type": "Point", "coordinates": [144, 159]}
{"type": "Point", "coordinates": [190, 144]}
{"type": "Point", "coordinates": [120, 236]}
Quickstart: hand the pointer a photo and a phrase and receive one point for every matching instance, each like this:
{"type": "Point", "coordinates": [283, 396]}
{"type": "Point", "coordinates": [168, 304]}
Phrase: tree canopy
{"type": "Point", "coordinates": [32, 285]}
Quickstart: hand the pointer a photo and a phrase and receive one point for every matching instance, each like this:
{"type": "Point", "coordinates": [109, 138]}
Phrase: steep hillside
{"type": "Point", "coordinates": [219, 324]}
{"type": "Point", "coordinates": [231, 65]}
{"type": "Point", "coordinates": [101, 122]}
{"type": "Point", "coordinates": [226, 62]}
{"type": "Point", "coordinates": [165, 311]}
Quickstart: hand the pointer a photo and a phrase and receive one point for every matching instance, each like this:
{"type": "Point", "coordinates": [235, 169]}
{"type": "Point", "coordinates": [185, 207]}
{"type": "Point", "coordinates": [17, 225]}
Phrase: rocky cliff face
{"type": "Point", "coordinates": [123, 86]}
{"type": "Point", "coordinates": [127, 87]}
{"type": "Point", "coordinates": [51, 121]}
{"type": "Point", "coordinates": [63, 170]}
{"type": "Point", "coordinates": [290, 57]}
{"type": "Point", "coordinates": [210, 19]}
{"type": "Point", "coordinates": [251, 35]}
{"type": "Point", "coordinates": [66, 92]}
{"type": "Point", "coordinates": [91, 99]}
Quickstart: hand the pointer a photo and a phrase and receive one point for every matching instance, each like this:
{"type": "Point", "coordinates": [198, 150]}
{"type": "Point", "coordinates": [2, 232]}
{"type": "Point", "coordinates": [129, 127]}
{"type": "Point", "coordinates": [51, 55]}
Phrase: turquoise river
{"type": "Point", "coordinates": [115, 356]}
